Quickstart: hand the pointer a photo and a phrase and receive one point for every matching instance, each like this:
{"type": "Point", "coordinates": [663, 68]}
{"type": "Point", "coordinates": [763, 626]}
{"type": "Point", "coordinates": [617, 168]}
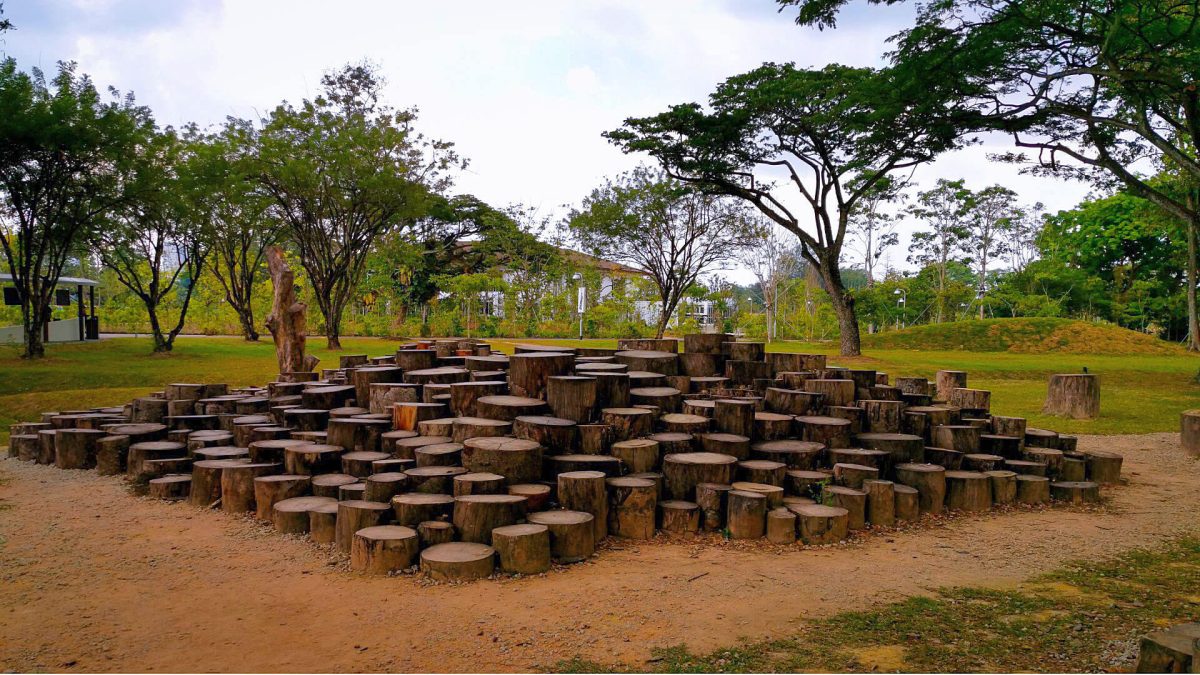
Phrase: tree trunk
{"type": "Point", "coordinates": [246, 316]}
{"type": "Point", "coordinates": [843, 307]}
{"type": "Point", "coordinates": [1193, 320]}
{"type": "Point", "coordinates": [35, 348]}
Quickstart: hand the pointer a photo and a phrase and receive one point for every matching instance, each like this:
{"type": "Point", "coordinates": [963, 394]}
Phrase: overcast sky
{"type": "Point", "coordinates": [523, 88]}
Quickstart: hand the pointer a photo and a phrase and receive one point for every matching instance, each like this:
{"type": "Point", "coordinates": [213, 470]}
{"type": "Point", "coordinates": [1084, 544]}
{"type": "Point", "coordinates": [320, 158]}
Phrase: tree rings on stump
{"type": "Point", "coordinates": [458, 561]}
{"type": "Point", "coordinates": [381, 549]}
{"type": "Point", "coordinates": [819, 524]}
{"type": "Point", "coordinates": [682, 471]}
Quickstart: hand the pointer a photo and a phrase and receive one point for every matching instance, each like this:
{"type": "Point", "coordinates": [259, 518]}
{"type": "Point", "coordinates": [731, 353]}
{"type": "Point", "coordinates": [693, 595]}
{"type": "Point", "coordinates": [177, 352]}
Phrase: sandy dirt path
{"type": "Point", "coordinates": [93, 578]}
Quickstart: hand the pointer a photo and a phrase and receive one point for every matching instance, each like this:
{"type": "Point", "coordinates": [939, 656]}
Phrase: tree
{"type": "Point", "coordinates": [1094, 89]}
{"type": "Point", "coordinates": [872, 229]}
{"type": "Point", "coordinates": [773, 260]}
{"type": "Point", "coordinates": [831, 135]}
{"type": "Point", "coordinates": [944, 210]}
{"type": "Point", "coordinates": [342, 170]}
{"type": "Point", "coordinates": [993, 210]}
{"type": "Point", "coordinates": [663, 227]}
{"type": "Point", "coordinates": [157, 241]}
{"type": "Point", "coordinates": [64, 154]}
{"type": "Point", "coordinates": [1022, 235]}
{"type": "Point", "coordinates": [219, 176]}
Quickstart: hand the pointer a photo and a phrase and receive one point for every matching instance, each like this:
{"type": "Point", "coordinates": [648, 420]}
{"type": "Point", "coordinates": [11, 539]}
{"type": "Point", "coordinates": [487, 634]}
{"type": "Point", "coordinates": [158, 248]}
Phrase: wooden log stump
{"type": "Point", "coordinates": [881, 502]}
{"type": "Point", "coordinates": [112, 453]}
{"type": "Point", "coordinates": [413, 508]}
{"type": "Point", "coordinates": [1075, 492]}
{"type": "Point", "coordinates": [682, 471]}
{"type": "Point", "coordinates": [804, 483]}
{"type": "Point", "coordinates": [434, 532]}
{"type": "Point", "coordinates": [330, 484]}
{"type": "Point", "coordinates": [407, 415]}
{"type": "Point", "coordinates": [475, 516]}
{"type": "Point", "coordinates": [1189, 432]}
{"type": "Point", "coordinates": [929, 480]}
{"type": "Point", "coordinates": [968, 491]}
{"type": "Point", "coordinates": [762, 471]}
{"type": "Point", "coordinates": [1033, 489]}
{"type": "Point", "coordinates": [612, 389]}
{"type": "Point", "coordinates": [1004, 486]}
{"type": "Point", "coordinates": [699, 406]}
{"type": "Point", "coordinates": [523, 549]}
{"type": "Point", "coordinates": [743, 373]}
{"type": "Point", "coordinates": [1024, 466]}
{"type": "Point", "coordinates": [357, 434]}
{"type": "Point", "coordinates": [508, 408]}
{"type": "Point", "coordinates": [1052, 458]}
{"type": "Point", "coordinates": [290, 516]}
{"type": "Point", "coordinates": [586, 491]}
{"type": "Point", "coordinates": [438, 454]}
{"type": "Point", "coordinates": [833, 392]}
{"type": "Point", "coordinates": [961, 437]}
{"type": "Point", "coordinates": [322, 523]}
{"type": "Point", "coordinates": [637, 454]}
{"type": "Point", "coordinates": [537, 495]}
{"type": "Point", "coordinates": [237, 484]}
{"type": "Point", "coordinates": [528, 372]}
{"type": "Point", "coordinates": [383, 549]}
{"type": "Point", "coordinates": [594, 439]}
{"type": "Point", "coordinates": [982, 462]}
{"type": "Point", "coordinates": [381, 487]}
{"type": "Point", "coordinates": [881, 416]}
{"type": "Point", "coordinates": [433, 479]}
{"type": "Point", "coordinates": [1103, 467]}
{"type": "Point", "coordinates": [702, 365]}
{"type": "Point", "coordinates": [572, 397]}
{"type": "Point", "coordinates": [478, 484]}
{"type": "Point", "coordinates": [769, 426]}
{"type": "Point", "coordinates": [832, 432]}
{"type": "Point", "coordinates": [140, 452]}
{"type": "Point", "coordinates": [653, 361]}
{"type": "Point", "coordinates": [631, 507]}
{"type": "Point", "coordinates": [852, 413]}
{"type": "Point", "coordinates": [734, 445]}
{"type": "Point", "coordinates": [908, 503]}
{"type": "Point", "coordinates": [791, 401]}
{"type": "Point", "coordinates": [442, 375]}
{"type": "Point", "coordinates": [268, 490]}
{"type": "Point", "coordinates": [518, 460]}
{"type": "Point", "coordinates": [734, 416]}
{"type": "Point", "coordinates": [1075, 395]}
{"type": "Point", "coordinates": [746, 515]}
{"type": "Point", "coordinates": [25, 446]}
{"type": "Point", "coordinates": [1040, 438]}
{"type": "Point", "coordinates": [792, 453]}
{"type": "Point", "coordinates": [607, 464]}
{"type": "Point", "coordinates": [363, 378]}
{"type": "Point", "coordinates": [852, 500]}
{"type": "Point", "coordinates": [1174, 650]}
{"type": "Point", "coordinates": [673, 442]}
{"type": "Point", "coordinates": [77, 448]}
{"type": "Point", "coordinates": [385, 395]}
{"type": "Point", "coordinates": [902, 448]}
{"type": "Point", "coordinates": [713, 500]}
{"type": "Point", "coordinates": [1073, 469]}
{"type": "Point", "coordinates": [773, 493]}
{"type": "Point", "coordinates": [950, 459]}
{"type": "Point", "coordinates": [572, 534]}
{"type": "Point", "coordinates": [555, 434]}
{"type": "Point", "coordinates": [853, 475]}
{"type": "Point", "coordinates": [356, 514]}
{"type": "Point", "coordinates": [665, 399]}
{"type": "Point", "coordinates": [206, 481]}
{"type": "Point", "coordinates": [170, 488]}
{"type": "Point", "coordinates": [820, 524]}
{"type": "Point", "coordinates": [913, 385]}
{"type": "Point", "coordinates": [197, 440]}
{"type": "Point", "coordinates": [679, 517]}
{"type": "Point", "coordinates": [781, 527]}
{"type": "Point", "coordinates": [947, 381]}
{"type": "Point", "coordinates": [1008, 447]}
{"type": "Point", "coordinates": [273, 451]}
{"type": "Point", "coordinates": [628, 423]}
{"type": "Point", "coordinates": [311, 459]}
{"type": "Point", "coordinates": [458, 561]}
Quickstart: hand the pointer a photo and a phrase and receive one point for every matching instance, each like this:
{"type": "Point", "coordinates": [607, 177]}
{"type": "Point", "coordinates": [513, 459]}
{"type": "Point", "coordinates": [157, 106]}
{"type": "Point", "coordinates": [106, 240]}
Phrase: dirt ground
{"type": "Point", "coordinates": [95, 579]}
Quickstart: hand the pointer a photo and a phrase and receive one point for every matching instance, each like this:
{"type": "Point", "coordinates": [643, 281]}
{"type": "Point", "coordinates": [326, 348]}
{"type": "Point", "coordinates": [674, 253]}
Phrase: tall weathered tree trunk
{"type": "Point", "coordinates": [287, 320]}
{"type": "Point", "coordinates": [843, 307]}
{"type": "Point", "coordinates": [1193, 321]}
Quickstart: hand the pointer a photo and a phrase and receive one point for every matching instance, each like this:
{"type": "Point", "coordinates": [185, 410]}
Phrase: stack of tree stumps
{"type": "Point", "coordinates": [458, 459]}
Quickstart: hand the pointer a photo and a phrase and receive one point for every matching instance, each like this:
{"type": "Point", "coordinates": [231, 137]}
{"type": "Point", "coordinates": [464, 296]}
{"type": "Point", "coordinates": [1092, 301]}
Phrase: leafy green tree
{"type": "Point", "coordinates": [65, 154]}
{"type": "Point", "coordinates": [157, 241]}
{"type": "Point", "coordinates": [830, 136]}
{"type": "Point", "coordinates": [944, 210]}
{"type": "Point", "coordinates": [993, 210]}
{"type": "Point", "coordinates": [872, 229]}
{"type": "Point", "coordinates": [662, 226]}
{"type": "Point", "coordinates": [344, 169]}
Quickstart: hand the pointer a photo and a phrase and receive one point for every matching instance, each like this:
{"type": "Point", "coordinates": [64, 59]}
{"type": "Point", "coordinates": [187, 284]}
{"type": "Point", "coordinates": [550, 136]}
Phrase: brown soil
{"type": "Point", "coordinates": [94, 579]}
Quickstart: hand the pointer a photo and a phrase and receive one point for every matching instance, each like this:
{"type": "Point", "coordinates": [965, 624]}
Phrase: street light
{"type": "Point", "coordinates": [901, 302]}
{"type": "Point", "coordinates": [581, 302]}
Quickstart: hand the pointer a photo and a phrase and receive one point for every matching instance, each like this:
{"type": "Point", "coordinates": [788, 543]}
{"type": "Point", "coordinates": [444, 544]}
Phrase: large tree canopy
{"type": "Point", "coordinates": [828, 136]}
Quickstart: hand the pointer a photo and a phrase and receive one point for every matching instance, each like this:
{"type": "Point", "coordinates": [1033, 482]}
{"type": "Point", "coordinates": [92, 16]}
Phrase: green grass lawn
{"type": "Point", "coordinates": [1140, 392]}
{"type": "Point", "coordinates": [1086, 617]}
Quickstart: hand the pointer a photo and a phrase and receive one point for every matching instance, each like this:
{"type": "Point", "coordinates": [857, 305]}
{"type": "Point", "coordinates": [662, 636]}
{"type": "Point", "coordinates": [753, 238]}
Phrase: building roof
{"type": "Point", "coordinates": [62, 281]}
{"type": "Point", "coordinates": [599, 263]}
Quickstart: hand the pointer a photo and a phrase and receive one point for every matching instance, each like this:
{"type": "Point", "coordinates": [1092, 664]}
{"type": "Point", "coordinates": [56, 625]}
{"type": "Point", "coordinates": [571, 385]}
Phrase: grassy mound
{"type": "Point", "coordinates": [1023, 336]}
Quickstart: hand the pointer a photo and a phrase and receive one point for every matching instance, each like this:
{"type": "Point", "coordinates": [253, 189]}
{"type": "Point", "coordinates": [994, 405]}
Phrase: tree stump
{"type": "Point", "coordinates": [673, 442]}
{"type": "Point", "coordinates": [197, 440]}
{"type": "Point", "coordinates": [438, 454]}
{"type": "Point", "coordinates": [734, 416]}
{"type": "Point", "coordinates": [1040, 438]}
{"type": "Point", "coordinates": [791, 401]}
{"type": "Point", "coordinates": [1189, 432]}
{"type": "Point", "coordinates": [682, 471]}
{"type": "Point", "coordinates": [1174, 650]}
{"type": "Point", "coordinates": [908, 503]}
{"type": "Point", "coordinates": [458, 561]}
{"type": "Point", "coordinates": [434, 532]}
{"type": "Point", "coordinates": [781, 527]}
{"type": "Point", "coordinates": [508, 408]}
{"type": "Point", "coordinates": [475, 516]}
{"type": "Point", "coordinates": [1033, 489]}
{"type": "Point", "coordinates": [528, 372]}
{"type": "Point", "coordinates": [1053, 459]}
{"type": "Point", "coordinates": [684, 423]}
{"type": "Point", "coordinates": [968, 491]}
{"type": "Point", "coordinates": [537, 495]}
{"type": "Point", "coordinates": [77, 448]}
{"type": "Point", "coordinates": [112, 453]}
{"type": "Point", "coordinates": [406, 416]}
{"type": "Point", "coordinates": [792, 453]}
{"type": "Point", "coordinates": [853, 475]}
{"type": "Point", "coordinates": [700, 406]}
{"type": "Point", "coordinates": [171, 488]}
{"type": "Point", "coordinates": [328, 484]}
{"type": "Point", "coordinates": [290, 516]}
{"type": "Point", "coordinates": [607, 464]}
{"type": "Point", "coordinates": [713, 500]}
{"type": "Point", "coordinates": [416, 359]}
{"type": "Point", "coordinates": [355, 514]}
{"type": "Point", "coordinates": [637, 454]}
{"type": "Point", "coordinates": [631, 507]}
{"type": "Point", "coordinates": [594, 439]}
{"type": "Point", "coordinates": [762, 471]}
{"type": "Point", "coordinates": [1075, 492]}
{"type": "Point", "coordinates": [654, 361]}
{"type": "Point", "coordinates": [746, 516]}
{"type": "Point", "coordinates": [463, 428]}
{"type": "Point", "coordinates": [381, 487]}
{"type": "Point", "coordinates": [612, 389]}
{"type": "Point", "coordinates": [913, 385]}
{"type": "Point", "coordinates": [554, 434]}
{"type": "Point", "coordinates": [273, 451]}
{"type": "Point", "coordinates": [1073, 469]}
{"type": "Point", "coordinates": [706, 343]}
{"type": "Point", "coordinates": [852, 500]}
{"type": "Point", "coordinates": [140, 452]}
{"type": "Point", "coordinates": [948, 381]}
{"type": "Point", "coordinates": [385, 395]}
{"type": "Point", "coordinates": [627, 423]}
{"type": "Point", "coordinates": [743, 373]}
{"type": "Point", "coordinates": [805, 483]}
{"type": "Point", "coordinates": [523, 549]}
{"type": "Point", "coordinates": [666, 399]}
{"type": "Point", "coordinates": [734, 445]}
{"type": "Point", "coordinates": [382, 549]}
{"type": "Point", "coordinates": [430, 377]}
{"type": "Point", "coordinates": [206, 481]}
{"type": "Point", "coordinates": [773, 493]}
{"type": "Point", "coordinates": [1103, 467]}
{"type": "Point", "coordinates": [769, 426]}
{"type": "Point", "coordinates": [679, 517]}
{"type": "Point", "coordinates": [961, 437]}
{"type": "Point", "coordinates": [413, 508]}
{"type": "Point", "coordinates": [833, 392]}
{"type": "Point", "coordinates": [1074, 395]}
{"type": "Point", "coordinates": [310, 459]}
{"type": "Point", "coordinates": [478, 484]}
{"type": "Point", "coordinates": [930, 482]}
{"type": "Point", "coordinates": [237, 484]}
{"type": "Point", "coordinates": [881, 416]}
{"type": "Point", "coordinates": [585, 491]}
{"type": "Point", "coordinates": [518, 460]}
{"type": "Point", "coordinates": [572, 534]}
{"type": "Point", "coordinates": [433, 479]}
{"type": "Point", "coordinates": [982, 462]}
{"type": "Point", "coordinates": [820, 524]}
{"type": "Point", "coordinates": [1008, 447]}
{"type": "Point", "coordinates": [268, 490]}
{"type": "Point", "coordinates": [854, 414]}
{"type": "Point", "coordinates": [832, 432]}
{"type": "Point", "coordinates": [363, 378]}
{"type": "Point", "coordinates": [572, 397]}
{"type": "Point", "coordinates": [1024, 466]}
{"type": "Point", "coordinates": [322, 522]}
{"type": "Point", "coordinates": [1004, 486]}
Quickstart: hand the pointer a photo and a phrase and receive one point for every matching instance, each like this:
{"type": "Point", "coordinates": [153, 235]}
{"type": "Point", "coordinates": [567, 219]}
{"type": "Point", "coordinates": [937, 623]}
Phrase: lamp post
{"type": "Point", "coordinates": [901, 302]}
{"type": "Point", "coordinates": [582, 300]}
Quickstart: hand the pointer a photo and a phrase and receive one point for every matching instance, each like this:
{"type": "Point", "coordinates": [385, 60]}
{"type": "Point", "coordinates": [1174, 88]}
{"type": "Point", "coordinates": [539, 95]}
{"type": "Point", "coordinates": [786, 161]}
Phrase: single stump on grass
{"type": "Point", "coordinates": [1075, 395]}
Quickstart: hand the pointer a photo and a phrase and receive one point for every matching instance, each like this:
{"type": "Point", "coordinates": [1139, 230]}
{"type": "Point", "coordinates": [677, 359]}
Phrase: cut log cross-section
{"type": "Point", "coordinates": [458, 561]}
{"type": "Point", "coordinates": [518, 460]}
{"type": "Point", "coordinates": [382, 549]}
{"type": "Point", "coordinates": [271, 489]}
{"type": "Point", "coordinates": [356, 514]}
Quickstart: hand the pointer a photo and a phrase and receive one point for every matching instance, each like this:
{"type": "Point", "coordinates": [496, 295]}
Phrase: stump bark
{"type": "Point", "coordinates": [413, 508]}
{"type": "Point", "coordinates": [908, 503]}
{"type": "Point", "coordinates": [355, 514]}
{"type": "Point", "coordinates": [682, 471]}
{"type": "Point", "coordinates": [171, 488]}
{"type": "Point", "coordinates": [1074, 395]}
{"type": "Point", "coordinates": [781, 527]}
{"type": "Point", "coordinates": [572, 397]}
{"type": "Point", "coordinates": [555, 434]}
{"type": "Point", "coordinates": [523, 549]}
{"type": "Point", "coordinates": [458, 561]}
{"type": "Point", "coordinates": [968, 491]}
{"type": "Point", "coordinates": [1103, 466]}
{"type": "Point", "coordinates": [518, 460]}
{"type": "Point", "coordinates": [290, 516]}
{"type": "Point", "coordinates": [382, 549]}
{"type": "Point", "coordinates": [528, 372]}
{"type": "Point", "coordinates": [271, 489]}
{"type": "Point", "coordinates": [713, 500]}
{"type": "Point", "coordinates": [572, 535]}
{"type": "Point", "coordinates": [947, 381]}
{"type": "Point", "coordinates": [475, 516]}
{"type": "Point", "coordinates": [746, 517]}
{"type": "Point", "coordinates": [586, 491]}
{"type": "Point", "coordinates": [930, 482]}
{"type": "Point", "coordinates": [679, 517]}
{"type": "Point", "coordinates": [1033, 489]}
{"type": "Point", "coordinates": [820, 524]}
{"type": "Point", "coordinates": [631, 507]}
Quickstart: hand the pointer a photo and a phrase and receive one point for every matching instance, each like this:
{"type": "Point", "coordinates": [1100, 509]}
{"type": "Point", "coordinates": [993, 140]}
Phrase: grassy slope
{"type": "Point", "coordinates": [1086, 617]}
{"type": "Point", "coordinates": [1143, 390]}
